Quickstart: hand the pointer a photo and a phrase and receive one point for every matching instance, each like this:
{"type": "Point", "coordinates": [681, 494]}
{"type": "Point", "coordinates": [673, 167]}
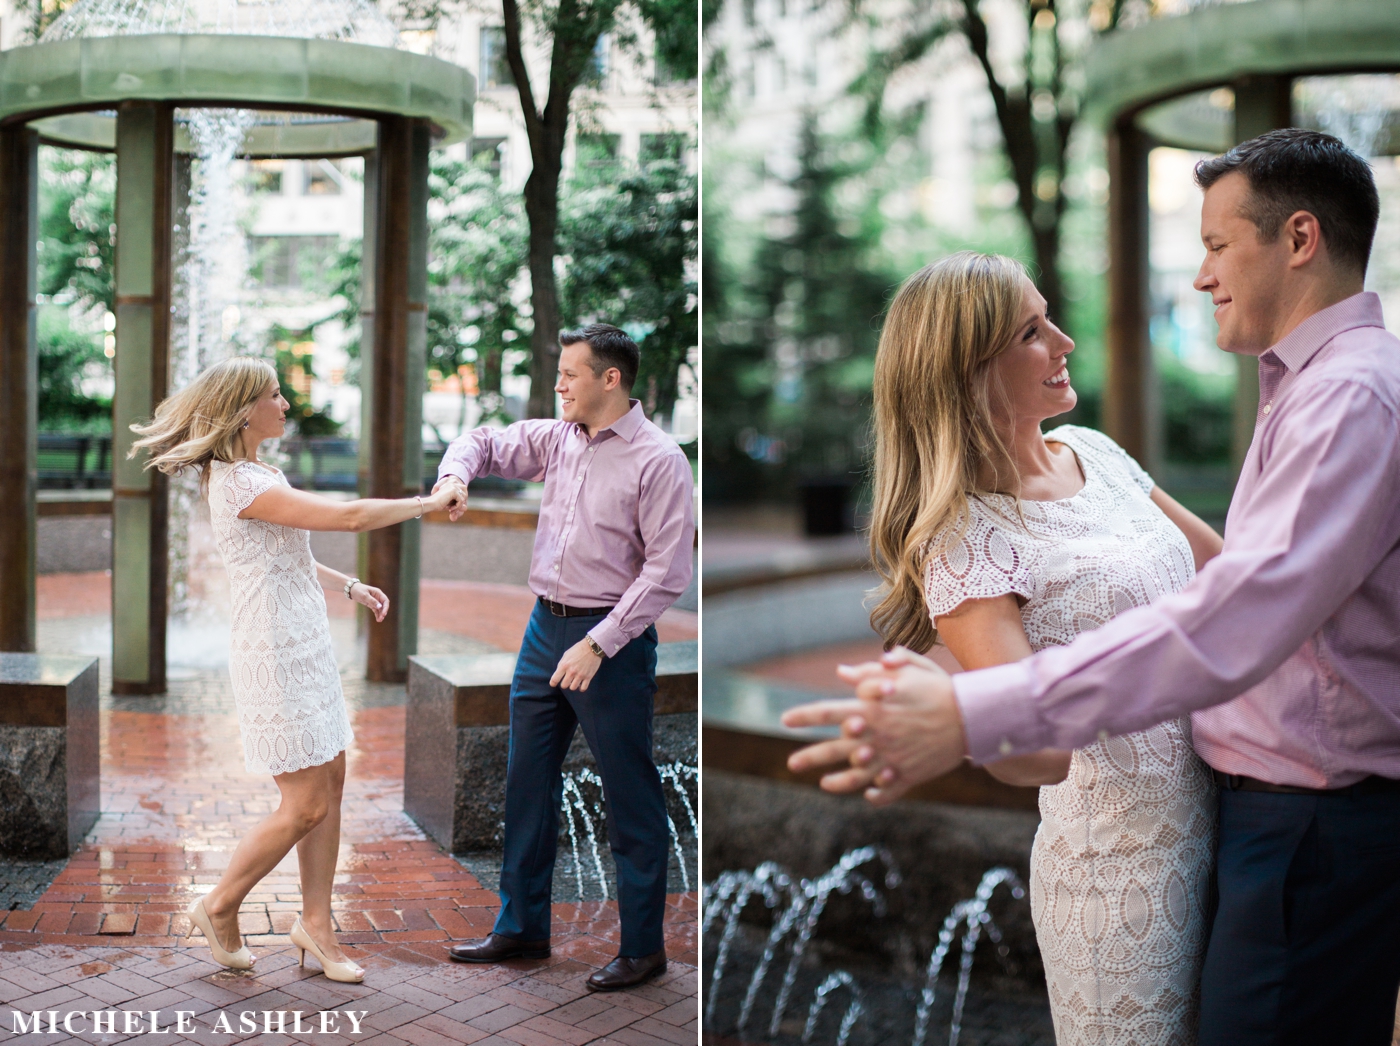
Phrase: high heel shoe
{"type": "Point", "coordinates": [346, 972]}
{"type": "Point", "coordinates": [239, 960]}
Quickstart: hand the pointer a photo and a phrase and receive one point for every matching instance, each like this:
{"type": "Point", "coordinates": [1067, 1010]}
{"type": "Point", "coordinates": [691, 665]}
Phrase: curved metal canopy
{"type": "Point", "coordinates": [1163, 72]}
{"type": "Point", "coordinates": [68, 88]}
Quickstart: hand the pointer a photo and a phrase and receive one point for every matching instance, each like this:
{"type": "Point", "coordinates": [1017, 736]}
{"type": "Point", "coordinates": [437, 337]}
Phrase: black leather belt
{"type": "Point", "coordinates": [560, 610]}
{"type": "Point", "coordinates": [1366, 786]}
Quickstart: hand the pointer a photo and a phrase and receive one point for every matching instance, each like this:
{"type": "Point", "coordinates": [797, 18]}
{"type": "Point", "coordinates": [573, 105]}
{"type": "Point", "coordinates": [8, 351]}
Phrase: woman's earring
{"type": "Point", "coordinates": [245, 424]}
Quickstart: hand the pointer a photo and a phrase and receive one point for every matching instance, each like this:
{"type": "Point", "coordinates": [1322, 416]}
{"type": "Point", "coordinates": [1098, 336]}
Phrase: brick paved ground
{"type": "Point", "coordinates": [106, 935]}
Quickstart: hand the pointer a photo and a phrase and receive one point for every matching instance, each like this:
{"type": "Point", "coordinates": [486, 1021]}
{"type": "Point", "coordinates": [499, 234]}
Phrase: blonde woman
{"type": "Point", "coordinates": [291, 711]}
{"type": "Point", "coordinates": [998, 540]}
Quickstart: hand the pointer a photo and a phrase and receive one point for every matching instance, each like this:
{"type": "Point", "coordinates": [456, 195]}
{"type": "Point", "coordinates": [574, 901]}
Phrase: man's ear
{"type": "Point", "coordinates": [1304, 234]}
{"type": "Point", "coordinates": [612, 378]}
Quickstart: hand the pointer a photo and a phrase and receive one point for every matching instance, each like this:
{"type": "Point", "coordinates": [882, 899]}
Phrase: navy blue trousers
{"type": "Point", "coordinates": [615, 713]}
{"type": "Point", "coordinates": [1305, 944]}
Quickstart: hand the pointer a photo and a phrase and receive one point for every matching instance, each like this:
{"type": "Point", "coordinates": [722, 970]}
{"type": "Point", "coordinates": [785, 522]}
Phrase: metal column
{"type": "Point", "coordinates": [19, 152]}
{"type": "Point", "coordinates": [1262, 104]}
{"type": "Point", "coordinates": [1129, 405]}
{"type": "Point", "coordinates": [140, 502]}
{"type": "Point", "coordinates": [392, 360]}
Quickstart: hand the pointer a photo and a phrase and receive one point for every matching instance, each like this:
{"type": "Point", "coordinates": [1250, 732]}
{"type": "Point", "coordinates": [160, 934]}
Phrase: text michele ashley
{"type": "Point", "coordinates": [186, 1022]}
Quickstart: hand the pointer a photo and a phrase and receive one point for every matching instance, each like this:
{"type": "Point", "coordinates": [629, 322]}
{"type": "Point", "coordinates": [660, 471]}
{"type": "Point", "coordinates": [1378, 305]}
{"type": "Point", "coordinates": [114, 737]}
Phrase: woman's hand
{"type": "Point", "coordinates": [371, 597]}
{"type": "Point", "coordinates": [440, 500]}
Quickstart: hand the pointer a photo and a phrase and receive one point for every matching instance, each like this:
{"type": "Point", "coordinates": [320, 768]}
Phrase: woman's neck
{"type": "Point", "coordinates": [247, 449]}
{"type": "Point", "coordinates": [1038, 473]}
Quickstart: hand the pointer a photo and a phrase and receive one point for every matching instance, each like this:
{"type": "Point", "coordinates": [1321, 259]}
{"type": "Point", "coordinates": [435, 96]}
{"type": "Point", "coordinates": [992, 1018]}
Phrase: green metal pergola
{"type": "Point", "coordinates": [1152, 86]}
{"type": "Point", "coordinates": [120, 93]}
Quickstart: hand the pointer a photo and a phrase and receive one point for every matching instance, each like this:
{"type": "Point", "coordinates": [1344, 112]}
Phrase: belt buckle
{"type": "Point", "coordinates": [559, 612]}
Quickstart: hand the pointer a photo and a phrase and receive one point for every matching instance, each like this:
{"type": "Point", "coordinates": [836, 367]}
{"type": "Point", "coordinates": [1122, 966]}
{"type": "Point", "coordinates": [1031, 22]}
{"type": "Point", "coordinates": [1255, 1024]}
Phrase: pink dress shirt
{"type": "Point", "coordinates": [1286, 647]}
{"type": "Point", "coordinates": [616, 523]}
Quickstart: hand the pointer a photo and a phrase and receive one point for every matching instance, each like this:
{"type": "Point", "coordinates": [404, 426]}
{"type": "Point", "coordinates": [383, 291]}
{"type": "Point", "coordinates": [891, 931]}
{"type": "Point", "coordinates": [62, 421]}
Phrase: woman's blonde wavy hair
{"type": "Point", "coordinates": [935, 443]}
{"type": "Point", "coordinates": [201, 423]}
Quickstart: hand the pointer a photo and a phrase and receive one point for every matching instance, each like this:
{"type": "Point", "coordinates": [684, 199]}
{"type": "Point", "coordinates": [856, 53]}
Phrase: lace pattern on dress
{"type": "Point", "coordinates": [286, 684]}
{"type": "Point", "coordinates": [1122, 859]}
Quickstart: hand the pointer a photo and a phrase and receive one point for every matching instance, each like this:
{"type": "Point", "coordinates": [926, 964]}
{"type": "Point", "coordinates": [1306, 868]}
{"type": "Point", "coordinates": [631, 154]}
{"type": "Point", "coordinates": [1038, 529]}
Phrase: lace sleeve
{"type": "Point", "coordinates": [244, 482]}
{"type": "Point", "coordinates": [987, 561]}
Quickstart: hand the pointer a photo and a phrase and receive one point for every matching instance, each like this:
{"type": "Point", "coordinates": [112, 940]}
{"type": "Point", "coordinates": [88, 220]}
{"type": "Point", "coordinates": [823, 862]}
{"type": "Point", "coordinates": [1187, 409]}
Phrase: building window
{"type": "Point", "coordinates": [597, 72]}
{"type": "Point", "coordinates": [661, 147]}
{"type": "Point", "coordinates": [492, 147]}
{"type": "Point", "coordinates": [598, 150]}
{"type": "Point", "coordinates": [265, 176]}
{"type": "Point", "coordinates": [494, 69]}
{"type": "Point", "coordinates": [322, 178]}
{"type": "Point", "coordinates": [291, 262]}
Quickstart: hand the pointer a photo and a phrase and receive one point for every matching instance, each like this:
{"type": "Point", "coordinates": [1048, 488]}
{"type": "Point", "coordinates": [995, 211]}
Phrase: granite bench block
{"type": "Point", "coordinates": [457, 738]}
{"type": "Point", "coordinates": [49, 753]}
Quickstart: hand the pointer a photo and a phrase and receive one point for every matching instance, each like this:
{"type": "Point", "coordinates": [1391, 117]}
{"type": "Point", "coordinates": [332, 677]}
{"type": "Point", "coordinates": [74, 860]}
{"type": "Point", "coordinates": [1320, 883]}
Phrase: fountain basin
{"type": "Point", "coordinates": [457, 735]}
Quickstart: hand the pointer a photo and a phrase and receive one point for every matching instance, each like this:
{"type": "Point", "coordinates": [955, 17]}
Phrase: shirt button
{"type": "Point", "coordinates": [1268, 407]}
{"type": "Point", "coordinates": [1005, 747]}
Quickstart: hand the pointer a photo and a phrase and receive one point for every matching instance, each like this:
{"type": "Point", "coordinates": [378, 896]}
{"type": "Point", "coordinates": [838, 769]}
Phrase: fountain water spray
{"type": "Point", "coordinates": [802, 902]}
{"type": "Point", "coordinates": [207, 290]}
{"type": "Point", "coordinates": [839, 979]}
{"type": "Point", "coordinates": [577, 806]}
{"type": "Point", "coordinates": [973, 914]}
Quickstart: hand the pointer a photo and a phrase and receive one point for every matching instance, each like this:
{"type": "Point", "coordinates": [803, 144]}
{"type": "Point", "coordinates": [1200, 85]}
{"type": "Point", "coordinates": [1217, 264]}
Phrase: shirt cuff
{"type": "Point", "coordinates": [455, 471]}
{"type": "Point", "coordinates": [608, 636]}
{"type": "Point", "coordinates": [998, 712]}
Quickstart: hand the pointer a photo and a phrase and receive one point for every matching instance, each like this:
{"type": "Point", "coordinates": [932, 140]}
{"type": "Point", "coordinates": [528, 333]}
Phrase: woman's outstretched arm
{"type": "Point", "coordinates": [981, 633]}
{"type": "Point", "coordinates": [288, 507]}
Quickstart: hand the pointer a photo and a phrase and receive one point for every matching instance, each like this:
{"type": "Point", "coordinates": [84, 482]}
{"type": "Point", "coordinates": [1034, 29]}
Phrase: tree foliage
{"type": "Point", "coordinates": [477, 257]}
{"type": "Point", "coordinates": [630, 247]}
{"type": "Point", "coordinates": [790, 355]}
{"type": "Point", "coordinates": [76, 244]}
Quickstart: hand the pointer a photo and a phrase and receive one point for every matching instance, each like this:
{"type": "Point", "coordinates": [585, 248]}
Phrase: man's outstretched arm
{"type": "Point", "coordinates": [1324, 512]}
{"type": "Point", "coordinates": [518, 451]}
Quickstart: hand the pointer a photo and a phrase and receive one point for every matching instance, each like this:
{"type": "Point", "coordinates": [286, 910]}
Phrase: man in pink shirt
{"type": "Point", "coordinates": [1285, 649]}
{"type": "Point", "coordinates": [612, 551]}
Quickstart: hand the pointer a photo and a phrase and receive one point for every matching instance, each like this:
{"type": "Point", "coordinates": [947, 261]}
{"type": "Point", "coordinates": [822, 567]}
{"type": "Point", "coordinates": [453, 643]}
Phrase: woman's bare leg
{"type": "Point", "coordinates": [317, 853]}
{"type": "Point", "coordinates": [305, 804]}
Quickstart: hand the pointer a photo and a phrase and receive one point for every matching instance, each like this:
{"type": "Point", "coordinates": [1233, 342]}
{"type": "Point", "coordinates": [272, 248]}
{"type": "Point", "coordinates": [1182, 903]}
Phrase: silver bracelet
{"type": "Point", "coordinates": [419, 499]}
{"type": "Point", "coordinates": [349, 585]}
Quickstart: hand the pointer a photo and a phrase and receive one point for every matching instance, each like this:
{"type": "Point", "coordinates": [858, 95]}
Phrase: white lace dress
{"type": "Point", "coordinates": [1121, 867]}
{"type": "Point", "coordinates": [291, 711]}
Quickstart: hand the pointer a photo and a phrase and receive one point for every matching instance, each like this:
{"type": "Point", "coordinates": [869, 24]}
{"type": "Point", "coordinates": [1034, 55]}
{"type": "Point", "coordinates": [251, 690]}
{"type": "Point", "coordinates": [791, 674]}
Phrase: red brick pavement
{"type": "Point", "coordinates": [494, 613]}
{"type": "Point", "coordinates": [107, 933]}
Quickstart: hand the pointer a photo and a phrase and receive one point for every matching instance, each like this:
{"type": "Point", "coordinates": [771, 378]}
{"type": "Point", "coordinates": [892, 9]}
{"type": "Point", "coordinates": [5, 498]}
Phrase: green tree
{"type": "Point", "coordinates": [788, 375]}
{"type": "Point", "coordinates": [76, 244]}
{"type": "Point", "coordinates": [629, 247]}
{"type": "Point", "coordinates": [478, 253]}
{"type": "Point", "coordinates": [1037, 99]}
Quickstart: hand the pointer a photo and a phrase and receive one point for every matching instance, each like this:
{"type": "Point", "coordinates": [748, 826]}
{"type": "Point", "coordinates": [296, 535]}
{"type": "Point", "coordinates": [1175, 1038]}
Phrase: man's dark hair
{"type": "Point", "coordinates": [610, 347]}
{"type": "Point", "coordinates": [1293, 170]}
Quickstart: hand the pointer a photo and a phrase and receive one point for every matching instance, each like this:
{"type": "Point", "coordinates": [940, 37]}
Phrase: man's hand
{"type": "Point", "coordinates": [578, 665]}
{"type": "Point", "coordinates": [902, 729]}
{"type": "Point", "coordinates": [459, 501]}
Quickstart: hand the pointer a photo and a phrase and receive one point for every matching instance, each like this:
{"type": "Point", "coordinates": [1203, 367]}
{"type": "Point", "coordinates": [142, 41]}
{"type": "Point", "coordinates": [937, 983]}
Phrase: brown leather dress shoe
{"type": "Point", "coordinates": [496, 948]}
{"type": "Point", "coordinates": [625, 972]}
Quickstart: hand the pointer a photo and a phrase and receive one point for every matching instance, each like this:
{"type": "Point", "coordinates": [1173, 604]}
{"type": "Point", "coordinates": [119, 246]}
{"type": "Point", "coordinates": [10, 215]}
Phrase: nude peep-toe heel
{"type": "Point", "coordinates": [346, 972]}
{"type": "Point", "coordinates": [239, 960]}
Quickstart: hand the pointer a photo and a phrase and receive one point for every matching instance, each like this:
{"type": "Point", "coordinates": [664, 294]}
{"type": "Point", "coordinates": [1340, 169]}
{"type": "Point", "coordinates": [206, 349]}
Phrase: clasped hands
{"type": "Point", "coordinates": [457, 503]}
{"type": "Point", "coordinates": [901, 729]}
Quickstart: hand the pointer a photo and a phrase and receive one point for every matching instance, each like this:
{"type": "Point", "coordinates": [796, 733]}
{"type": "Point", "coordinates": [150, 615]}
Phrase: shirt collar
{"type": "Point", "coordinates": [625, 426]}
{"type": "Point", "coordinates": [1305, 340]}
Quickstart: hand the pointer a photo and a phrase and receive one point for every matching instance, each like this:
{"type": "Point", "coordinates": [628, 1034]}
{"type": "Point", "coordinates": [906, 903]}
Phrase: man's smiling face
{"type": "Point", "coordinates": [1245, 277]}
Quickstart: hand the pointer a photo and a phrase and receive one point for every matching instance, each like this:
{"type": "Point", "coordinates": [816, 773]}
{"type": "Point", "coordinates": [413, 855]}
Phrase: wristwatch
{"type": "Point", "coordinates": [593, 646]}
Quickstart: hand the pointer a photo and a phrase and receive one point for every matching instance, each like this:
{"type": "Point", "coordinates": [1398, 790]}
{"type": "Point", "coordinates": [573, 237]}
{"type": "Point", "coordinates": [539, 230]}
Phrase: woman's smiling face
{"type": "Point", "coordinates": [1031, 371]}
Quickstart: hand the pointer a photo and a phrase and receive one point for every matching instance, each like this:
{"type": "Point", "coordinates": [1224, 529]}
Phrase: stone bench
{"type": "Point", "coordinates": [457, 734]}
{"type": "Point", "coordinates": [49, 751]}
